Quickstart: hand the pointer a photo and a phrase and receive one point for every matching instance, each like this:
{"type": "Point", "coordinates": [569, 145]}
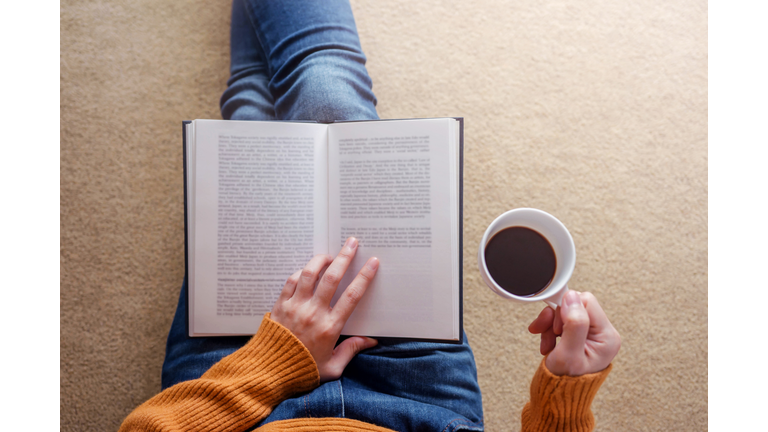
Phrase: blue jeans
{"type": "Point", "coordinates": [302, 60]}
{"type": "Point", "coordinates": [296, 60]}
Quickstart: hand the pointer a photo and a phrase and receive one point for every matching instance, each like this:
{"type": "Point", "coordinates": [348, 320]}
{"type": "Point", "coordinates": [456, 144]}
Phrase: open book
{"type": "Point", "coordinates": [262, 198]}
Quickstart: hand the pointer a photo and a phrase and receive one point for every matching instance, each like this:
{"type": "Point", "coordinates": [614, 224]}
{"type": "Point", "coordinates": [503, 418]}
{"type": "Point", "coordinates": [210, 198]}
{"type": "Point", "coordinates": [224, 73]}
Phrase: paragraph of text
{"type": "Point", "coordinates": [245, 297]}
{"type": "Point", "coordinates": [265, 205]}
{"type": "Point", "coordinates": [378, 189]}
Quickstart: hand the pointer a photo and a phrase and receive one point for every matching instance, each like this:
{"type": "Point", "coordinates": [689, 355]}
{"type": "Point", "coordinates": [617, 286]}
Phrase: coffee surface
{"type": "Point", "coordinates": [520, 260]}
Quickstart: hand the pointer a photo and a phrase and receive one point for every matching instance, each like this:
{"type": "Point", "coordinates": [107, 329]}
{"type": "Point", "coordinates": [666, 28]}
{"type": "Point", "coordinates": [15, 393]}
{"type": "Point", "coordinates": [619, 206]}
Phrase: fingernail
{"type": "Point", "coordinates": [373, 263]}
{"type": "Point", "coordinates": [351, 243]}
{"type": "Point", "coordinates": [572, 298]}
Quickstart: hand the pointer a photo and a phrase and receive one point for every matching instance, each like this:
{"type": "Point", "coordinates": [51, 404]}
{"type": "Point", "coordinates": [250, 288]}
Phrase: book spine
{"type": "Point", "coordinates": [186, 219]}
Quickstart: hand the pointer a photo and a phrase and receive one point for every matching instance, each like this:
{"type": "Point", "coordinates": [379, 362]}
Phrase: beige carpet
{"type": "Point", "coordinates": [595, 111]}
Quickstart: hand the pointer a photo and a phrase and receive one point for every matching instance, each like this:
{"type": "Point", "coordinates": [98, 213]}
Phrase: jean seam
{"type": "Point", "coordinates": [341, 395]}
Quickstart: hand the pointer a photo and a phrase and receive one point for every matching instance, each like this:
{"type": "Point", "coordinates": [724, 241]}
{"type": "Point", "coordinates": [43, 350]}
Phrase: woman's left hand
{"type": "Point", "coordinates": [589, 341]}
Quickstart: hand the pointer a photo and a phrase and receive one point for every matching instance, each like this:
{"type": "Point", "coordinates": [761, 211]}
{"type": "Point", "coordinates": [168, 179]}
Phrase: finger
{"type": "Point", "coordinates": [344, 353]}
{"type": "Point", "coordinates": [333, 274]}
{"type": "Point", "coordinates": [601, 330]}
{"type": "Point", "coordinates": [309, 276]}
{"type": "Point", "coordinates": [575, 326]}
{"type": "Point", "coordinates": [543, 321]}
{"type": "Point", "coordinates": [598, 320]}
{"type": "Point", "coordinates": [290, 287]}
{"type": "Point", "coordinates": [355, 291]}
{"type": "Point", "coordinates": [557, 326]}
{"type": "Point", "coordinates": [548, 341]}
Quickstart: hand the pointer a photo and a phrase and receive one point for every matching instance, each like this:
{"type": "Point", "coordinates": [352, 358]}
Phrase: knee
{"type": "Point", "coordinates": [327, 92]}
{"type": "Point", "coordinates": [324, 99]}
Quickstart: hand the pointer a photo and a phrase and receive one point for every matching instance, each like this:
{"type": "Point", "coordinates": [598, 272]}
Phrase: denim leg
{"type": "Point", "coordinates": [247, 96]}
{"type": "Point", "coordinates": [316, 65]}
{"type": "Point", "coordinates": [422, 377]}
{"type": "Point", "coordinates": [410, 386]}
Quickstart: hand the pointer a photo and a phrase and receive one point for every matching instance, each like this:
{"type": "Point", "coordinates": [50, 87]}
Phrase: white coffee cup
{"type": "Point", "coordinates": [557, 235]}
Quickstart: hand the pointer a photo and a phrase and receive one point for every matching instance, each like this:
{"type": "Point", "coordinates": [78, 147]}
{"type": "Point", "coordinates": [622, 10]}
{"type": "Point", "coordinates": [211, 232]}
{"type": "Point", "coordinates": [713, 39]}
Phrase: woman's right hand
{"type": "Point", "coordinates": [304, 308]}
{"type": "Point", "coordinates": [588, 343]}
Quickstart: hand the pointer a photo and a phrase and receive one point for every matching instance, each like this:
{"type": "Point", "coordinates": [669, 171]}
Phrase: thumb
{"type": "Point", "coordinates": [346, 350]}
{"type": "Point", "coordinates": [575, 325]}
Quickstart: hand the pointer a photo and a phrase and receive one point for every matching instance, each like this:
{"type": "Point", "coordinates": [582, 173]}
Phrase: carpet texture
{"type": "Point", "coordinates": [594, 111]}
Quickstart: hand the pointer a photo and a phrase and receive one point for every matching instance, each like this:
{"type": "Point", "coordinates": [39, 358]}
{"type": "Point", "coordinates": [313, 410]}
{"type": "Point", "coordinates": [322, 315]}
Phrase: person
{"type": "Point", "coordinates": [302, 60]}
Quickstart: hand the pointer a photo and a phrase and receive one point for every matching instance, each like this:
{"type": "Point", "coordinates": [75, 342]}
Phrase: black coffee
{"type": "Point", "coordinates": [520, 260]}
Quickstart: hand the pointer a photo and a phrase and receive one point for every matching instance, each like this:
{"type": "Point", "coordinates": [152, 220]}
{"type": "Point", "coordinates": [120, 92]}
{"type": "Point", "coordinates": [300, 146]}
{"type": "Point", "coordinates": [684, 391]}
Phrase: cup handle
{"type": "Point", "coordinates": [557, 299]}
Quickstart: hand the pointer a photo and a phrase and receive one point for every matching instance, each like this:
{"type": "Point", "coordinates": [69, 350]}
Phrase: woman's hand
{"type": "Point", "coordinates": [307, 312]}
{"type": "Point", "coordinates": [589, 342]}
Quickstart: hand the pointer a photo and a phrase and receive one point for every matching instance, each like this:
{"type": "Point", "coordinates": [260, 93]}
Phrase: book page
{"type": "Point", "coordinates": [260, 215]}
{"type": "Point", "coordinates": [393, 186]}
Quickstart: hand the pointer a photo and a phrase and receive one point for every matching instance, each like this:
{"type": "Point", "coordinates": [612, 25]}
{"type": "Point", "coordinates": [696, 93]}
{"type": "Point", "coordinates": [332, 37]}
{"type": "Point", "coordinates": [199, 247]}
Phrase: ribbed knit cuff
{"type": "Point", "coordinates": [561, 403]}
{"type": "Point", "coordinates": [237, 392]}
{"type": "Point", "coordinates": [276, 358]}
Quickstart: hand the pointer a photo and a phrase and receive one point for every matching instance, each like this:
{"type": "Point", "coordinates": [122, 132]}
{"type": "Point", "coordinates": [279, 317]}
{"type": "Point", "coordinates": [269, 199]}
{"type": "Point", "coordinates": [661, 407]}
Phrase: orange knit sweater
{"type": "Point", "coordinates": [244, 387]}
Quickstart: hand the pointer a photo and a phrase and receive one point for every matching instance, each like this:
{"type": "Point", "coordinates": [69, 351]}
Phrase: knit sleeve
{"type": "Point", "coordinates": [561, 403]}
{"type": "Point", "coordinates": [237, 392]}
